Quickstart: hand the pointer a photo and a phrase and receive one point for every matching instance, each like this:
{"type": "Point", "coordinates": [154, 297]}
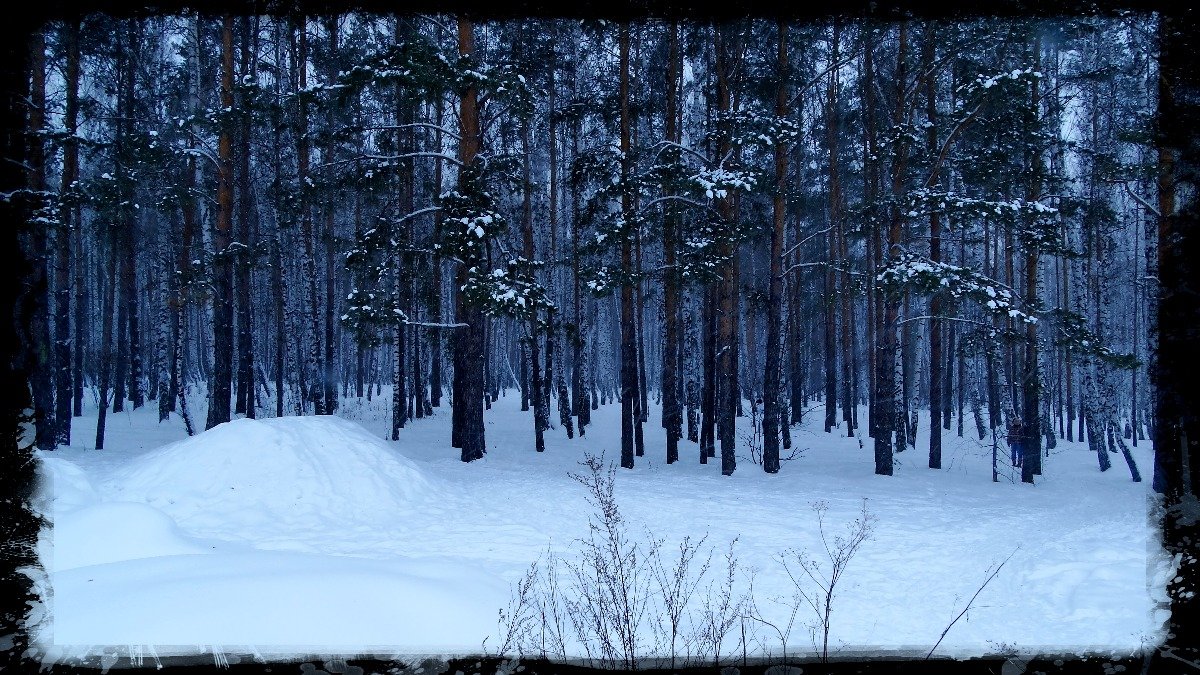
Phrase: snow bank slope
{"type": "Point", "coordinates": [247, 477]}
{"type": "Point", "coordinates": [115, 531]}
{"type": "Point", "coordinates": [281, 602]}
{"type": "Point", "coordinates": [64, 487]}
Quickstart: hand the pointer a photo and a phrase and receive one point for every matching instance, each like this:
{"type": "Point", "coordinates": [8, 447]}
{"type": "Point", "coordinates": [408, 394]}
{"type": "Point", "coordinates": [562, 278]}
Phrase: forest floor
{"type": "Point", "coordinates": [314, 535]}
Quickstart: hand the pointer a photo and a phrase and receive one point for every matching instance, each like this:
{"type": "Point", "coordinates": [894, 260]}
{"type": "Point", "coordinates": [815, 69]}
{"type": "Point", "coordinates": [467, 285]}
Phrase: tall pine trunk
{"type": "Point", "coordinates": [470, 356]}
{"type": "Point", "coordinates": [244, 399]}
{"type": "Point", "coordinates": [831, 261]}
{"type": "Point", "coordinates": [885, 379]}
{"type": "Point", "coordinates": [311, 376]}
{"type": "Point", "coordinates": [540, 414]}
{"type": "Point", "coordinates": [629, 373]}
{"type": "Point", "coordinates": [936, 388]}
{"type": "Point", "coordinates": [330, 377]}
{"type": "Point", "coordinates": [42, 377]}
{"type": "Point", "coordinates": [62, 271]}
{"type": "Point", "coordinates": [728, 395]}
{"type": "Point", "coordinates": [772, 391]}
{"type": "Point", "coordinates": [672, 420]}
{"type": "Point", "coordinates": [109, 281]}
{"type": "Point", "coordinates": [1031, 464]}
{"type": "Point", "coordinates": [219, 398]}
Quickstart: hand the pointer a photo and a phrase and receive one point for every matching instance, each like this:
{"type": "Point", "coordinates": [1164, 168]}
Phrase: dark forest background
{"type": "Point", "coordinates": [893, 223]}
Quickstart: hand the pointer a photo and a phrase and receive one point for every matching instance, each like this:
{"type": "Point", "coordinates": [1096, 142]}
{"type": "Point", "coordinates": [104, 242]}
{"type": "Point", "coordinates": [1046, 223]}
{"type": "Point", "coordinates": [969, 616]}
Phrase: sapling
{"type": "Point", "coordinates": [991, 575]}
{"type": "Point", "coordinates": [826, 576]}
{"type": "Point", "coordinates": [613, 576]}
{"type": "Point", "coordinates": [678, 584]}
{"type": "Point", "coordinates": [782, 632]}
{"type": "Point", "coordinates": [720, 611]}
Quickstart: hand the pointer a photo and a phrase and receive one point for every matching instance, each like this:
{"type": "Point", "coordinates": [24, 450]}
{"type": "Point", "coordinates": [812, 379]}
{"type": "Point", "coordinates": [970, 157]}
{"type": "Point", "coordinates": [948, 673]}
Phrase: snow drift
{"type": "Point", "coordinates": [64, 487]}
{"type": "Point", "coordinates": [86, 536]}
{"type": "Point", "coordinates": [278, 475]}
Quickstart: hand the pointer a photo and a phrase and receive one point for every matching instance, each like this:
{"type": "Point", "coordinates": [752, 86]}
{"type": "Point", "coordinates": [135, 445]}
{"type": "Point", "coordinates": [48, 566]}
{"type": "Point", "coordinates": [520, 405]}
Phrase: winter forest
{"type": "Point", "coordinates": [846, 250]}
{"type": "Point", "coordinates": [276, 214]}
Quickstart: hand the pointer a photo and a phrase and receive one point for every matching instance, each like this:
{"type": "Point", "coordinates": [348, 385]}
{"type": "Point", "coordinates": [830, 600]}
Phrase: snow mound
{"type": "Point", "coordinates": [247, 479]}
{"type": "Point", "coordinates": [115, 531]}
{"type": "Point", "coordinates": [281, 602]}
{"type": "Point", "coordinates": [64, 487]}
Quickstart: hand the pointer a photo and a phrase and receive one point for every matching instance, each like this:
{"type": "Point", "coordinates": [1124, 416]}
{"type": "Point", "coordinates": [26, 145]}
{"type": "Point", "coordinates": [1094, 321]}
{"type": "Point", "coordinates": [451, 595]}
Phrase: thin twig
{"type": "Point", "coordinates": [804, 241]}
{"type": "Point", "coordinates": [977, 592]}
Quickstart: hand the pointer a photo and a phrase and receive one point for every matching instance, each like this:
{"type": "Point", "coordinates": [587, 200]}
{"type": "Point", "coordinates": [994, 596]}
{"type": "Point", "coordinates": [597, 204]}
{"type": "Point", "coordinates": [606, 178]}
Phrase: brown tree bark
{"type": "Point", "coordinates": [469, 353]}
{"type": "Point", "coordinates": [219, 398]}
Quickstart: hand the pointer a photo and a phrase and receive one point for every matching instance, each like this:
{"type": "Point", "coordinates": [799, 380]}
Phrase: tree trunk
{"type": "Point", "coordinates": [129, 289]}
{"type": "Point", "coordinates": [219, 398]}
{"type": "Point", "coordinates": [311, 376]}
{"type": "Point", "coordinates": [82, 313]}
{"type": "Point", "coordinates": [42, 377]}
{"type": "Point", "coordinates": [123, 224]}
{"type": "Point", "coordinates": [1031, 464]}
{"type": "Point", "coordinates": [540, 414]}
{"type": "Point", "coordinates": [629, 418]}
{"type": "Point", "coordinates": [558, 362]}
{"type": "Point", "coordinates": [639, 441]}
{"type": "Point", "coordinates": [772, 392]}
{"type": "Point", "coordinates": [935, 255]}
{"type": "Point", "coordinates": [885, 379]}
{"type": "Point", "coordinates": [726, 343]}
{"type": "Point", "coordinates": [470, 355]}
{"type": "Point", "coordinates": [708, 396]}
{"type": "Point", "coordinates": [671, 417]}
{"type": "Point", "coordinates": [836, 211]}
{"type": "Point", "coordinates": [188, 214]}
{"type": "Point", "coordinates": [62, 271]}
{"type": "Point", "coordinates": [886, 383]}
{"type": "Point", "coordinates": [831, 259]}
{"type": "Point", "coordinates": [330, 376]}
{"type": "Point", "coordinates": [278, 289]}
{"type": "Point", "coordinates": [244, 399]}
{"type": "Point", "coordinates": [881, 423]}
{"type": "Point", "coordinates": [435, 346]}
{"type": "Point", "coordinates": [109, 281]}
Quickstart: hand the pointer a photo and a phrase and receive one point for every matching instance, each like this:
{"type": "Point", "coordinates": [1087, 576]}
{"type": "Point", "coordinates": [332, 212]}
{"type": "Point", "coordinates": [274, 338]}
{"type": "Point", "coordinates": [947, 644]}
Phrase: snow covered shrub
{"type": "Point", "coordinates": [754, 437]}
{"type": "Point", "coordinates": [720, 610]}
{"type": "Point", "coordinates": [824, 576]}
{"type": "Point", "coordinates": [612, 578]}
{"type": "Point", "coordinates": [677, 584]}
{"type": "Point", "coordinates": [618, 600]}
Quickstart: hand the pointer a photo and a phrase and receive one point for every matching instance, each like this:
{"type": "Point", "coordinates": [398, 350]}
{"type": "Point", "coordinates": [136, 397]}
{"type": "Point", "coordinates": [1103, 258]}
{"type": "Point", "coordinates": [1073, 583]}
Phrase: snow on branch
{"type": "Point", "coordinates": [1072, 332]}
{"type": "Point", "coordinates": [925, 275]}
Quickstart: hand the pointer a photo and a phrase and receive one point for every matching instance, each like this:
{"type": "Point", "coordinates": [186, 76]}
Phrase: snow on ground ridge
{"type": "Point", "coordinates": [278, 565]}
{"type": "Point", "coordinates": [291, 471]}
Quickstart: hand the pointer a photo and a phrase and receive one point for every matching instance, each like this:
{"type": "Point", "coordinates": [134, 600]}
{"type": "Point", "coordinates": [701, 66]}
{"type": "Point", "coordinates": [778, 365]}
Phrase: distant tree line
{"type": "Point", "coordinates": [934, 225]}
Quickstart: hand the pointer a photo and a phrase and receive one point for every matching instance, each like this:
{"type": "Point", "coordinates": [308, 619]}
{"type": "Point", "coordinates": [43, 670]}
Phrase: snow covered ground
{"type": "Point", "coordinates": [315, 535]}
